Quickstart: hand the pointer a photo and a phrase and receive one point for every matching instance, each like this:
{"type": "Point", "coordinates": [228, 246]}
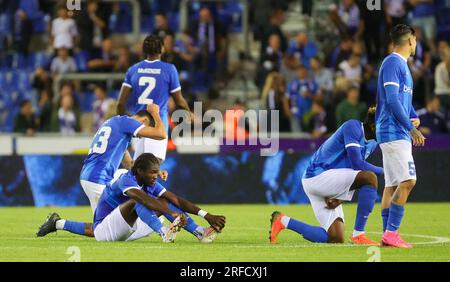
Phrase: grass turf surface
{"type": "Point", "coordinates": [245, 238]}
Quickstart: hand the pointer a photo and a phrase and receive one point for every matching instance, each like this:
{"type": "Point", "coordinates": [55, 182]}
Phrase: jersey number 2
{"type": "Point", "coordinates": [102, 137]}
{"type": "Point", "coordinates": [150, 83]}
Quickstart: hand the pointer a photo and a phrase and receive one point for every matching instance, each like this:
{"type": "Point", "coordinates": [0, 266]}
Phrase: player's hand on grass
{"type": "Point", "coordinates": [153, 109]}
{"type": "Point", "coordinates": [216, 221]}
{"type": "Point", "coordinates": [415, 122]}
{"type": "Point", "coordinates": [332, 203]}
{"type": "Point", "coordinates": [183, 219]}
{"type": "Point", "coordinates": [417, 137]}
{"type": "Point", "coordinates": [163, 174]}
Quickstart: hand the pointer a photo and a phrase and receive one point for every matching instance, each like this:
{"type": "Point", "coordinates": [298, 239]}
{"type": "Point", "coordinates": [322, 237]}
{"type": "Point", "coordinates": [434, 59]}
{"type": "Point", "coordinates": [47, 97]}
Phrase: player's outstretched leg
{"type": "Point", "coordinates": [279, 221]}
{"type": "Point", "coordinates": [151, 219]}
{"type": "Point", "coordinates": [367, 184]}
{"type": "Point", "coordinates": [204, 235]}
{"type": "Point", "coordinates": [54, 223]}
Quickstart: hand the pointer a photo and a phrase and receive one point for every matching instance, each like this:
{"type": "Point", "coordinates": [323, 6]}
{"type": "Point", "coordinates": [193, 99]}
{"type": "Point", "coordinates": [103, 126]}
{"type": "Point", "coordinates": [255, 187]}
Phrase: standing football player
{"type": "Point", "coordinates": [396, 125]}
{"type": "Point", "coordinates": [151, 81]}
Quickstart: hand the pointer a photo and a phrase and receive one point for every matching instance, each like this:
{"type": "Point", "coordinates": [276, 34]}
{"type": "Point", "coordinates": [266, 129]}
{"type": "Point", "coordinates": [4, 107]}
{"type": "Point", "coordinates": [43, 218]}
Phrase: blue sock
{"type": "Point", "coordinates": [385, 216]}
{"type": "Point", "coordinates": [311, 233]}
{"type": "Point", "coordinates": [149, 217]}
{"type": "Point", "coordinates": [366, 201]}
{"type": "Point", "coordinates": [74, 227]}
{"type": "Point", "coordinates": [190, 227]}
{"type": "Point", "coordinates": [395, 217]}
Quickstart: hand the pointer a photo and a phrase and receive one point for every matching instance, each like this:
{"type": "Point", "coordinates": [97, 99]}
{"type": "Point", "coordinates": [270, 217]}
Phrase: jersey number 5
{"type": "Point", "coordinates": [99, 146]}
{"type": "Point", "coordinates": [150, 83]}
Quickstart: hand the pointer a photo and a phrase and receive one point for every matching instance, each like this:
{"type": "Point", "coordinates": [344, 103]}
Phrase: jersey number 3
{"type": "Point", "coordinates": [149, 83]}
{"type": "Point", "coordinates": [99, 147]}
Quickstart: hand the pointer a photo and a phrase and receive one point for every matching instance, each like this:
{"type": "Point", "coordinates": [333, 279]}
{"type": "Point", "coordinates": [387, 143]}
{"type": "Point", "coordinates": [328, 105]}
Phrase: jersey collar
{"type": "Point", "coordinates": [403, 58]}
{"type": "Point", "coordinates": [152, 61]}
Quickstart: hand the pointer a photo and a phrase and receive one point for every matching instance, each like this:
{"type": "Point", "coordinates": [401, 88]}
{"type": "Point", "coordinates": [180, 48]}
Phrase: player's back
{"type": "Point", "coordinates": [107, 149]}
{"type": "Point", "coordinates": [152, 82]}
{"type": "Point", "coordinates": [332, 153]}
{"type": "Point", "coordinates": [393, 71]}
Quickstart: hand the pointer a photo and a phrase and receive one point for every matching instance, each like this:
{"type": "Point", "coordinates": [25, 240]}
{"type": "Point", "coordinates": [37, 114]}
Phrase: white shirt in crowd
{"type": "Point", "coordinates": [349, 72]}
{"type": "Point", "coordinates": [441, 80]}
{"type": "Point", "coordinates": [64, 31]}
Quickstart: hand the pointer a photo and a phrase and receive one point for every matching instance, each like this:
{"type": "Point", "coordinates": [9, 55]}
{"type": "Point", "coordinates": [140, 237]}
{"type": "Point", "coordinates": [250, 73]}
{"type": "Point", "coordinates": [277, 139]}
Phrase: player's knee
{"type": "Point", "coordinates": [335, 238]}
{"type": "Point", "coordinates": [370, 178]}
{"type": "Point", "coordinates": [408, 184]}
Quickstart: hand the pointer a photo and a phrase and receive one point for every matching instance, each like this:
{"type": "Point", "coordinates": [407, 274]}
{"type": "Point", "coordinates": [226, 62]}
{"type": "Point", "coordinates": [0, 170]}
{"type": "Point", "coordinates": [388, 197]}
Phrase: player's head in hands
{"type": "Point", "coordinates": [369, 123]}
{"type": "Point", "coordinates": [403, 38]}
{"type": "Point", "coordinates": [146, 169]}
{"type": "Point", "coordinates": [152, 47]}
{"type": "Point", "coordinates": [145, 118]}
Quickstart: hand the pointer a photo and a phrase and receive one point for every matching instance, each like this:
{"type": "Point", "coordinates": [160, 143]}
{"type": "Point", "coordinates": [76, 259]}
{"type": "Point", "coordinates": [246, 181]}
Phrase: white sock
{"type": "Point", "coordinates": [142, 230]}
{"type": "Point", "coordinates": [285, 221]}
{"type": "Point", "coordinates": [357, 233]}
{"type": "Point", "coordinates": [60, 224]}
{"type": "Point", "coordinates": [199, 231]}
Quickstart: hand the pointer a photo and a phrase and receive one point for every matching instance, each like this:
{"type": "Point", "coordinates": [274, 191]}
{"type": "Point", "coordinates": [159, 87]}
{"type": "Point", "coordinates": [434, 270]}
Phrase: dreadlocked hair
{"type": "Point", "coordinates": [370, 116]}
{"type": "Point", "coordinates": [152, 45]}
{"type": "Point", "coordinates": [145, 162]}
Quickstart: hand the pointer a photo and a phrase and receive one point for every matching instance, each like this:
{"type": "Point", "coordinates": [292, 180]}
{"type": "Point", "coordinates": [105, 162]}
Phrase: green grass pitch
{"type": "Point", "coordinates": [244, 239]}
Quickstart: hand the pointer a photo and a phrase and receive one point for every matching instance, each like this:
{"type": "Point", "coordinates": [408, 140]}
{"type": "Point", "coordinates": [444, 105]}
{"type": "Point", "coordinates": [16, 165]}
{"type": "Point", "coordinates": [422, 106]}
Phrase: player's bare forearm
{"type": "Point", "coordinates": [140, 197]}
{"type": "Point", "coordinates": [121, 105]}
{"type": "Point", "coordinates": [183, 204]}
{"type": "Point", "coordinates": [180, 101]}
{"type": "Point", "coordinates": [127, 161]}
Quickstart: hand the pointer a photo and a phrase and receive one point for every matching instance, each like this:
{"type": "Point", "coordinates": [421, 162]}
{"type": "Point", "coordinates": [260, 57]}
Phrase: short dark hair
{"type": "Point", "coordinates": [144, 113]}
{"type": "Point", "coordinates": [24, 102]}
{"type": "Point", "coordinates": [398, 33]}
{"type": "Point", "coordinates": [370, 116]}
{"type": "Point", "coordinates": [145, 162]}
{"type": "Point", "coordinates": [152, 45]}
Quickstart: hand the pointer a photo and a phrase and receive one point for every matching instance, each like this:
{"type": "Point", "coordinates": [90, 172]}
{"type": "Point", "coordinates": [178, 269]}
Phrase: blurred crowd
{"type": "Point", "coordinates": [317, 77]}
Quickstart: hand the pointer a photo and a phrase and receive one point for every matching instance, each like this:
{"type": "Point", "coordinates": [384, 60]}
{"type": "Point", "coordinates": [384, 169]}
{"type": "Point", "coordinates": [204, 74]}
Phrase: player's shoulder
{"type": "Point", "coordinates": [352, 126]}
{"type": "Point", "coordinates": [393, 60]}
{"type": "Point", "coordinates": [127, 180]}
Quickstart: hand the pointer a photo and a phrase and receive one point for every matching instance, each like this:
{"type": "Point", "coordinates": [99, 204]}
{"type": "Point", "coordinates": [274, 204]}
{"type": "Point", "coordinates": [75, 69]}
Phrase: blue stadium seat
{"type": "Point", "coordinates": [5, 24]}
{"type": "Point", "coordinates": [81, 59]}
{"type": "Point", "coordinates": [85, 100]}
{"type": "Point", "coordinates": [40, 23]}
{"type": "Point", "coordinates": [114, 94]}
{"type": "Point", "coordinates": [19, 61]}
{"type": "Point", "coordinates": [39, 60]}
{"type": "Point", "coordinates": [174, 21]}
{"type": "Point", "coordinates": [147, 24]}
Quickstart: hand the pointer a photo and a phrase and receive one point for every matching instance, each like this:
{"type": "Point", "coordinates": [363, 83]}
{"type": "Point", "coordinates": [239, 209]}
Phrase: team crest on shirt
{"type": "Point", "coordinates": [407, 89]}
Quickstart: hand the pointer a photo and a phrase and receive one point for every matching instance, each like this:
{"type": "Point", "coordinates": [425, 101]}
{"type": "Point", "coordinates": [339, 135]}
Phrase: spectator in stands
{"type": "Point", "coordinates": [302, 91]}
{"type": "Point", "coordinates": [101, 105]}
{"type": "Point", "coordinates": [41, 80]}
{"type": "Point", "coordinates": [276, 20]}
{"type": "Point", "coordinates": [92, 27]}
{"type": "Point", "coordinates": [105, 60]}
{"type": "Point", "coordinates": [186, 46]}
{"type": "Point", "coordinates": [442, 82]}
{"type": "Point", "coordinates": [346, 17]}
{"type": "Point", "coordinates": [124, 60]}
{"type": "Point", "coordinates": [171, 55]}
{"type": "Point", "coordinates": [423, 15]}
{"type": "Point", "coordinates": [45, 108]}
{"type": "Point", "coordinates": [211, 39]}
{"type": "Point", "coordinates": [288, 68]}
{"type": "Point", "coordinates": [23, 24]}
{"type": "Point", "coordinates": [350, 108]}
{"type": "Point", "coordinates": [64, 29]}
{"type": "Point", "coordinates": [349, 74]}
{"type": "Point", "coordinates": [373, 29]}
{"type": "Point", "coordinates": [63, 63]}
{"type": "Point", "coordinates": [67, 119]}
{"type": "Point", "coordinates": [270, 60]}
{"type": "Point", "coordinates": [431, 119]}
{"type": "Point", "coordinates": [314, 121]}
{"type": "Point", "coordinates": [303, 49]}
{"type": "Point", "coordinates": [395, 12]}
{"type": "Point", "coordinates": [161, 26]}
{"type": "Point", "coordinates": [25, 121]}
{"type": "Point", "coordinates": [369, 85]}
{"type": "Point", "coordinates": [323, 77]}
{"type": "Point", "coordinates": [420, 68]}
{"type": "Point", "coordinates": [274, 98]}
{"type": "Point", "coordinates": [341, 52]}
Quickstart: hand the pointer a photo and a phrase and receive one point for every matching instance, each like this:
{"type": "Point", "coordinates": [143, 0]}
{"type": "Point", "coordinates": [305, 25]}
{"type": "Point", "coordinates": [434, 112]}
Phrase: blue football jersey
{"type": "Point", "coordinates": [107, 149]}
{"type": "Point", "coordinates": [114, 194]}
{"type": "Point", "coordinates": [152, 82]}
{"type": "Point", "coordinates": [333, 155]}
{"type": "Point", "coordinates": [299, 104]}
{"type": "Point", "coordinates": [394, 71]}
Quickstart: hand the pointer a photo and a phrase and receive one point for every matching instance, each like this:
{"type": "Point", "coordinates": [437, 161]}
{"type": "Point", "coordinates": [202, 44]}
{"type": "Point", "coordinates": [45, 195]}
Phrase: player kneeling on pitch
{"type": "Point", "coordinates": [335, 171]}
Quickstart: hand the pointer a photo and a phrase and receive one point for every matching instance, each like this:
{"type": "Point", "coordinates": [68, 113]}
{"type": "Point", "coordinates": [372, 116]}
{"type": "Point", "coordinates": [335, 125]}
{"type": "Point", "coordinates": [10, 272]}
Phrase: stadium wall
{"type": "Point", "coordinates": [233, 177]}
